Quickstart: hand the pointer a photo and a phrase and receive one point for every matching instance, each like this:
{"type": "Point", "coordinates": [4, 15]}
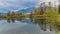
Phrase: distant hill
{"type": "Point", "coordinates": [28, 10]}
{"type": "Point", "coordinates": [2, 13]}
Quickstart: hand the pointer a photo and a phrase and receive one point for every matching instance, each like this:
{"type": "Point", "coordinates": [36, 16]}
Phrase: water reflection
{"type": "Point", "coordinates": [8, 20]}
{"type": "Point", "coordinates": [41, 21]}
{"type": "Point", "coordinates": [13, 20]}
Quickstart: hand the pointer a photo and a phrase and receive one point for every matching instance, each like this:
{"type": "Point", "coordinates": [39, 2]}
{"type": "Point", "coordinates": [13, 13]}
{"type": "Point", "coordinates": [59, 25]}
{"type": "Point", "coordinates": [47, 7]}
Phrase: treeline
{"type": "Point", "coordinates": [13, 16]}
{"type": "Point", "coordinates": [52, 17]}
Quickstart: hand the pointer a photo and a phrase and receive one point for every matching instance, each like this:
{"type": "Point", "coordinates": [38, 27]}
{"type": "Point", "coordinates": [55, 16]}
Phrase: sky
{"type": "Point", "coordinates": [7, 5]}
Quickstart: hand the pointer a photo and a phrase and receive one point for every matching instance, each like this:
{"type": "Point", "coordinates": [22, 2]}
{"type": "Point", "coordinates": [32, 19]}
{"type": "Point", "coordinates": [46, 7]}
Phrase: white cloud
{"type": "Point", "coordinates": [20, 4]}
{"type": "Point", "coordinates": [16, 2]}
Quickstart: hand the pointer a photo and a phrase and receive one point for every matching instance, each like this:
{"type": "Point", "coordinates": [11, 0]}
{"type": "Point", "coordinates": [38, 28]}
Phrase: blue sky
{"type": "Point", "coordinates": [6, 5]}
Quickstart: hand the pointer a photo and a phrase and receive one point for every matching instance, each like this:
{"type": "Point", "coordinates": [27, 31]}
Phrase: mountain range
{"type": "Point", "coordinates": [24, 11]}
{"type": "Point", "coordinates": [28, 10]}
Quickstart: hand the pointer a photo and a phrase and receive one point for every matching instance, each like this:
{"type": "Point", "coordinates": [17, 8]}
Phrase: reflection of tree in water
{"type": "Point", "coordinates": [8, 20]}
{"type": "Point", "coordinates": [42, 23]}
{"type": "Point", "coordinates": [20, 19]}
{"type": "Point", "coordinates": [13, 20]}
{"type": "Point", "coordinates": [31, 17]}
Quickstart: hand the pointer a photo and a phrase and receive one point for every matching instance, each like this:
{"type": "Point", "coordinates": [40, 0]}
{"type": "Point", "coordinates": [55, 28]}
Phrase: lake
{"type": "Point", "coordinates": [24, 26]}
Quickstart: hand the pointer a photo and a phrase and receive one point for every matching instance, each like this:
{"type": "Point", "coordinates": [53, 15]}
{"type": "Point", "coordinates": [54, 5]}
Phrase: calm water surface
{"type": "Point", "coordinates": [25, 26]}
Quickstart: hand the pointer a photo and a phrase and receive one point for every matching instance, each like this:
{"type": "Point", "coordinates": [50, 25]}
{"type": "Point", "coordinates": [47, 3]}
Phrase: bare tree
{"type": "Point", "coordinates": [59, 6]}
{"type": "Point", "coordinates": [49, 4]}
{"type": "Point", "coordinates": [43, 8]}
